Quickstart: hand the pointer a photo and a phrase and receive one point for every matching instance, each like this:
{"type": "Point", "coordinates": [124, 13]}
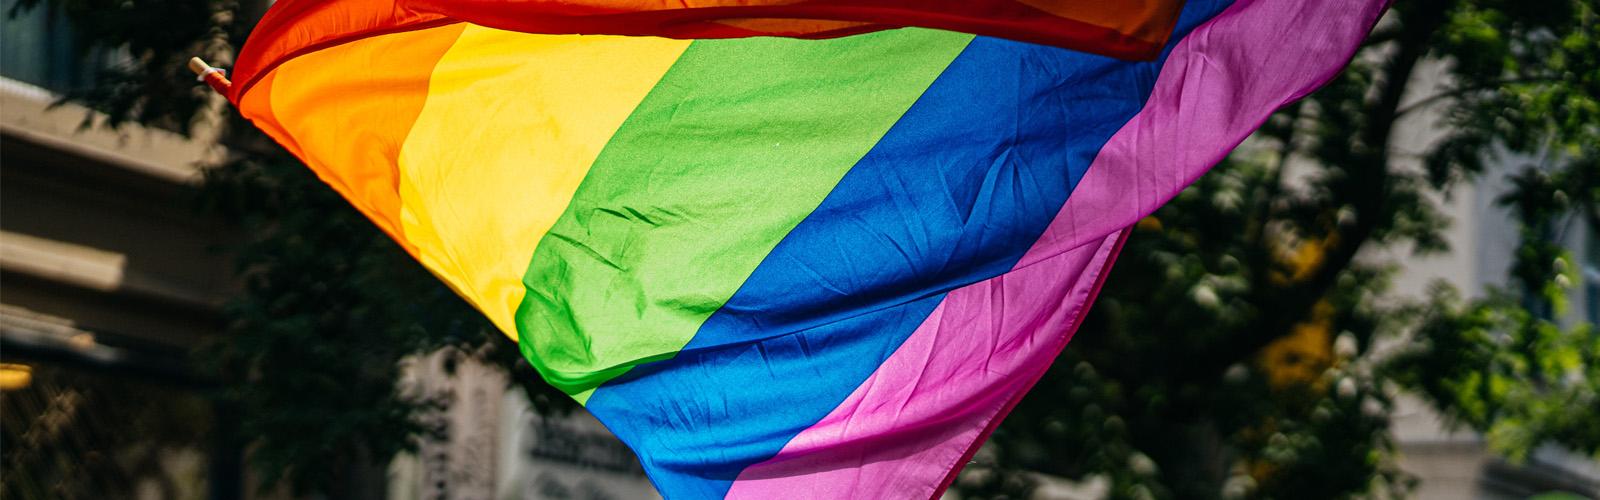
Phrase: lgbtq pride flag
{"type": "Point", "coordinates": [778, 267]}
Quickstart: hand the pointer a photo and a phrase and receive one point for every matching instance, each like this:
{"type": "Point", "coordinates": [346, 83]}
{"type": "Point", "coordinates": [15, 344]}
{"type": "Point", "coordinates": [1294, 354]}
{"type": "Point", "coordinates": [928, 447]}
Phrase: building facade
{"type": "Point", "coordinates": [106, 282]}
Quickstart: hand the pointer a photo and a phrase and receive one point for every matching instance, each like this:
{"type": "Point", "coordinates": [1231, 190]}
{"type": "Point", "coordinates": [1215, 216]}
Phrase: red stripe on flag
{"type": "Point", "coordinates": [1117, 29]}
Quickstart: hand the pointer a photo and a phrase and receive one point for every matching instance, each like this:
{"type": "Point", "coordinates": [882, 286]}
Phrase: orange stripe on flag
{"type": "Point", "coordinates": [351, 107]}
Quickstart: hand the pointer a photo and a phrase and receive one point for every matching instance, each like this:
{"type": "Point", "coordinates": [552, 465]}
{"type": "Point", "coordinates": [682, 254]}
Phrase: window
{"type": "Point", "coordinates": [37, 46]}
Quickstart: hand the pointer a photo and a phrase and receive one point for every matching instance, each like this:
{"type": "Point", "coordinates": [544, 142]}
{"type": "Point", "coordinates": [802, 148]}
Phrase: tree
{"type": "Point", "coordinates": [1232, 352]}
{"type": "Point", "coordinates": [1231, 355]}
{"type": "Point", "coordinates": [1533, 380]}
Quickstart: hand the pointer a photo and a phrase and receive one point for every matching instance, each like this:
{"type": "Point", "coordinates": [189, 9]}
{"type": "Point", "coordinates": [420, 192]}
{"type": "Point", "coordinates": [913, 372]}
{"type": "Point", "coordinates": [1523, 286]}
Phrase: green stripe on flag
{"type": "Point", "coordinates": [736, 144]}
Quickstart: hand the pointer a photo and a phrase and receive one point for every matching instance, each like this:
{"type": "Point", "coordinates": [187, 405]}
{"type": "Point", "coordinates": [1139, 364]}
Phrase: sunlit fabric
{"type": "Point", "coordinates": [777, 267]}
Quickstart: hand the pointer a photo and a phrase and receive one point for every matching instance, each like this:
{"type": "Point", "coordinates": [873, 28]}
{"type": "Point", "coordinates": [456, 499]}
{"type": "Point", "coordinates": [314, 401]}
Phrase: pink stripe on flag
{"type": "Point", "coordinates": [919, 416]}
{"type": "Point", "coordinates": [1217, 87]}
{"type": "Point", "coordinates": [894, 437]}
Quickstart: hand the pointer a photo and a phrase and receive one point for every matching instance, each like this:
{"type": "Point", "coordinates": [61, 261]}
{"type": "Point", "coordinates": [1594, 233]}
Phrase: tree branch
{"type": "Point", "coordinates": [1381, 37]}
{"type": "Point", "coordinates": [1467, 90]}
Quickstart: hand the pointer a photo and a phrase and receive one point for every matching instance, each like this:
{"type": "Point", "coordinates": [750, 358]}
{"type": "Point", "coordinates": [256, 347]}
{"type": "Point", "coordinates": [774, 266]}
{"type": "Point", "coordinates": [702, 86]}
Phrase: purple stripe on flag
{"type": "Point", "coordinates": [936, 398]}
{"type": "Point", "coordinates": [1220, 84]}
{"type": "Point", "coordinates": [931, 399]}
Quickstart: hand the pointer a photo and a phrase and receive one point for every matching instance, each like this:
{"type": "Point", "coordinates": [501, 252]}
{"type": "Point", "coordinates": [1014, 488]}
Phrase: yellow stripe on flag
{"type": "Point", "coordinates": [512, 124]}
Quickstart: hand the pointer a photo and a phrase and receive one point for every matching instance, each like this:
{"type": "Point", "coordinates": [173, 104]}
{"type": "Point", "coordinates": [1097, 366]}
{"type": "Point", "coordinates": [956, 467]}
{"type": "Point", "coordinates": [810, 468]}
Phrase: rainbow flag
{"type": "Point", "coordinates": [777, 267]}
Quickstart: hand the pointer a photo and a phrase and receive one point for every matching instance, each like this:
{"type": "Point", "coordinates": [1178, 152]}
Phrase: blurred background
{"type": "Point", "coordinates": [1388, 292]}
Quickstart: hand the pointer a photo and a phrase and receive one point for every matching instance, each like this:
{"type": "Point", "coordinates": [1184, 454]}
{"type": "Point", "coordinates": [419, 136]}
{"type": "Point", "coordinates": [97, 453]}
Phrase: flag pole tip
{"type": "Point", "coordinates": [215, 77]}
{"type": "Point", "coordinates": [198, 66]}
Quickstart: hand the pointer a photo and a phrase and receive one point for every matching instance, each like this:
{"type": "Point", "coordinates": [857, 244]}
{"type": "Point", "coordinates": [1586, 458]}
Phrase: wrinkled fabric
{"type": "Point", "coordinates": [775, 267]}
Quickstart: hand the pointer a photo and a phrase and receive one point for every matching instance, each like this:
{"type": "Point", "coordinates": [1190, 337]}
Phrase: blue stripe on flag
{"type": "Point", "coordinates": [954, 193]}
